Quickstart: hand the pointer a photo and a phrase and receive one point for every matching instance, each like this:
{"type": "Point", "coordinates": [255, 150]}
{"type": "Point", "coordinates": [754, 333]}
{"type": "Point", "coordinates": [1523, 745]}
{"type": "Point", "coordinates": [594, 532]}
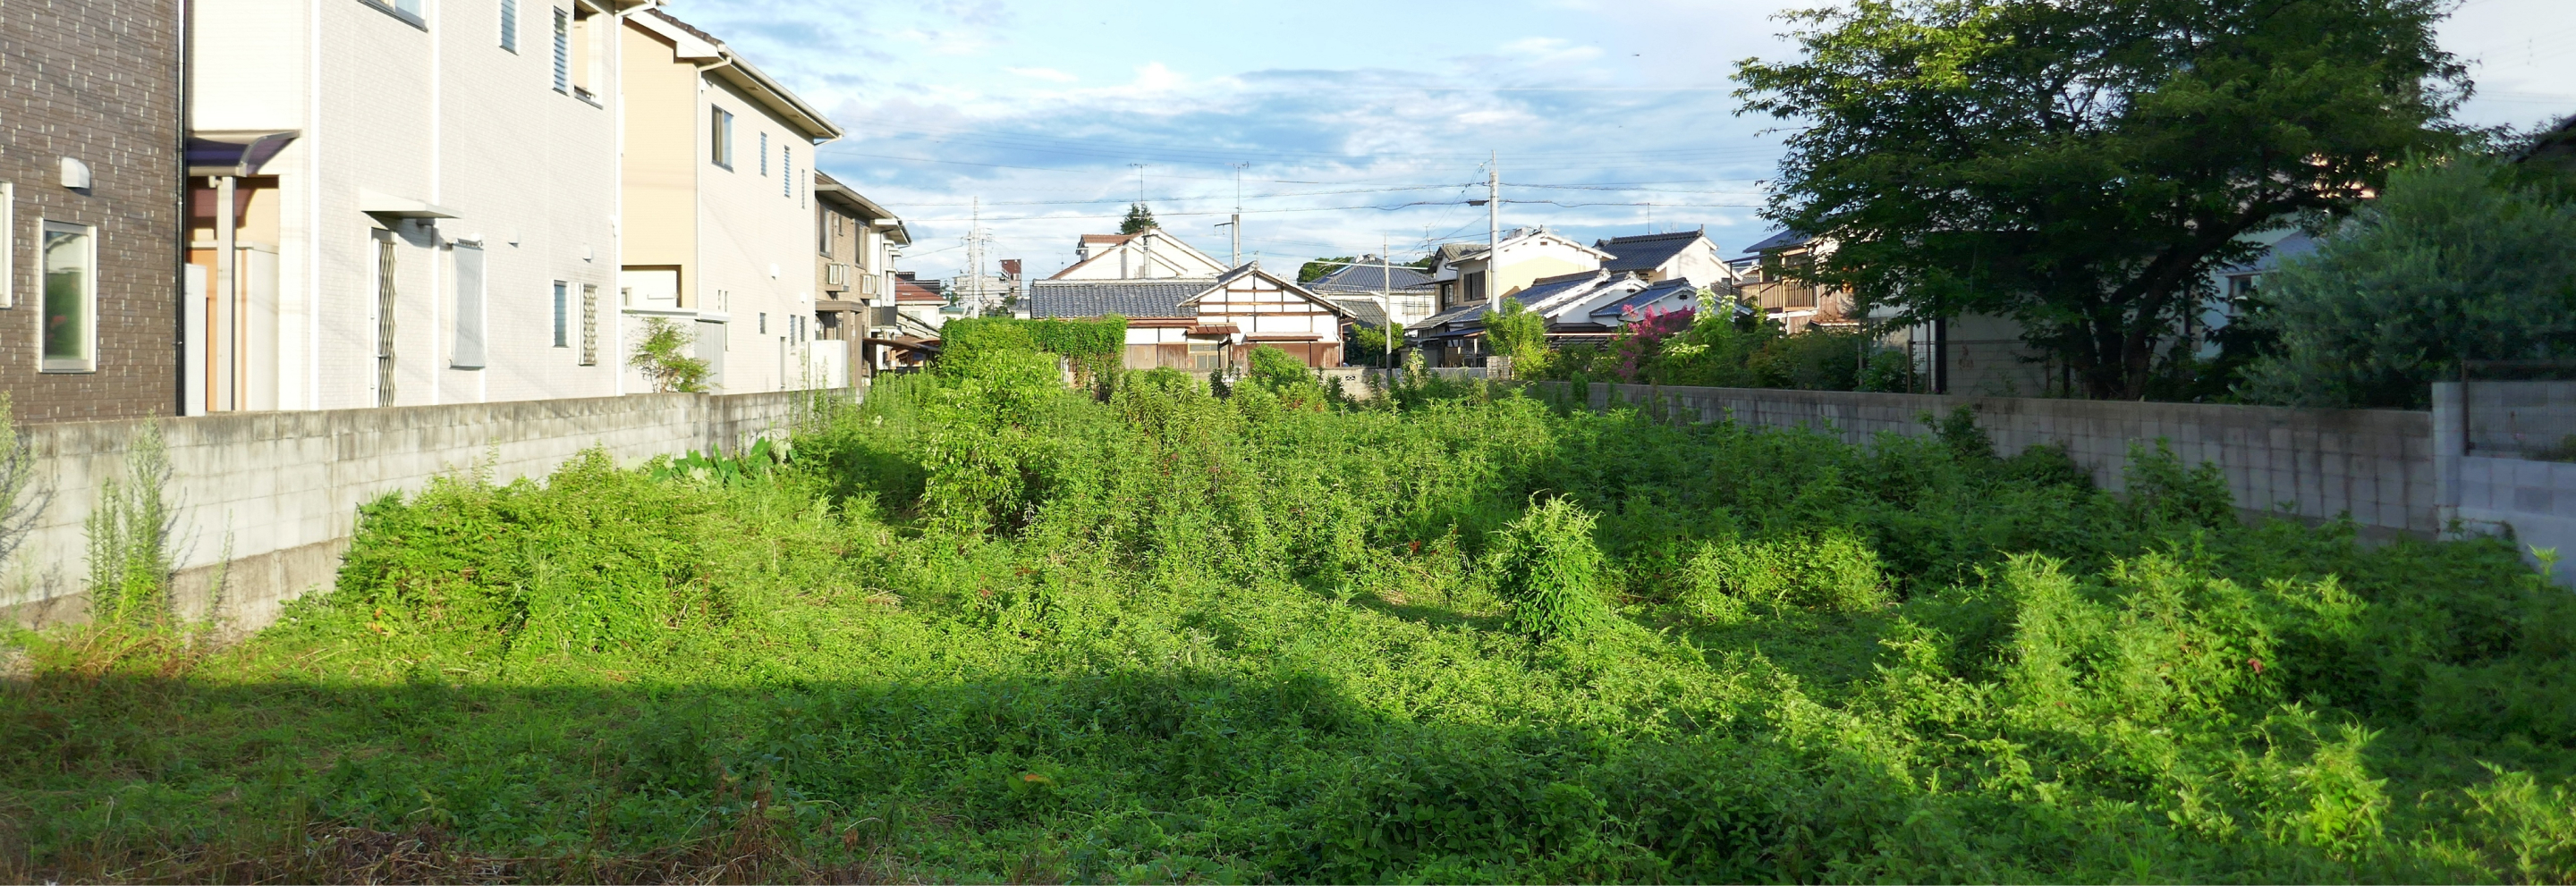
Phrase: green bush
{"type": "Point", "coordinates": [1095, 347]}
{"type": "Point", "coordinates": [2450, 265]}
{"type": "Point", "coordinates": [1550, 572]}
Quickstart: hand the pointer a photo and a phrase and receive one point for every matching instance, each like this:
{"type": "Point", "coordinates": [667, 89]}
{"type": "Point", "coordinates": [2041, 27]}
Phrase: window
{"type": "Point", "coordinates": [787, 170]}
{"type": "Point", "coordinates": [764, 322]}
{"type": "Point", "coordinates": [562, 295]}
{"type": "Point", "coordinates": [510, 25]}
{"type": "Point", "coordinates": [384, 318]}
{"type": "Point", "coordinates": [720, 137]}
{"type": "Point", "coordinates": [406, 10]}
{"type": "Point", "coordinates": [70, 259]}
{"type": "Point", "coordinates": [563, 51]}
{"type": "Point", "coordinates": [825, 223]}
{"type": "Point", "coordinates": [468, 353]}
{"type": "Point", "coordinates": [589, 325]}
{"type": "Point", "coordinates": [764, 153]}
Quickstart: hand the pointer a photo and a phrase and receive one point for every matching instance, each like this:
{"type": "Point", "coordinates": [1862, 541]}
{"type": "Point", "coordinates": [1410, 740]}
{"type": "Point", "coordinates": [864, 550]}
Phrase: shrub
{"type": "Point", "coordinates": [661, 353]}
{"type": "Point", "coordinates": [2448, 266]}
{"type": "Point", "coordinates": [1549, 570]}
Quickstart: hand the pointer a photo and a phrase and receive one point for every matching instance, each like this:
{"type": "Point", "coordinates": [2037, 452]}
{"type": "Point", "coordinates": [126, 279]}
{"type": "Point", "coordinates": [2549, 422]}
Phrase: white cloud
{"type": "Point", "coordinates": [1043, 74]}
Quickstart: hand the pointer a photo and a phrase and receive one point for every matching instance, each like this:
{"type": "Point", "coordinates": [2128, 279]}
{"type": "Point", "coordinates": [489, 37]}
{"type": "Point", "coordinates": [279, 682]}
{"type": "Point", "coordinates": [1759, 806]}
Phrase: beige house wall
{"type": "Point", "coordinates": [666, 136]}
{"type": "Point", "coordinates": [743, 236]}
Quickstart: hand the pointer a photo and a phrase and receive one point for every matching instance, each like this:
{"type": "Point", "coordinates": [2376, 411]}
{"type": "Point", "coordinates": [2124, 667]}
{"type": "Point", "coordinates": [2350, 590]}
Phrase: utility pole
{"type": "Point", "coordinates": [1386, 300]}
{"type": "Point", "coordinates": [1493, 232]}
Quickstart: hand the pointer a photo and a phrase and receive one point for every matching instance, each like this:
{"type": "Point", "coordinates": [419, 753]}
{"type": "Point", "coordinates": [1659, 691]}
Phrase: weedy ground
{"type": "Point", "coordinates": [984, 628]}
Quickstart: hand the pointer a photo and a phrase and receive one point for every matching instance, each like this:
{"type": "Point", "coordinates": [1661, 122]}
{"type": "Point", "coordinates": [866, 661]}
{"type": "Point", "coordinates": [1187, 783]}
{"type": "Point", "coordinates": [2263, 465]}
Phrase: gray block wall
{"type": "Point", "coordinates": [285, 487]}
{"type": "Point", "coordinates": [2317, 464]}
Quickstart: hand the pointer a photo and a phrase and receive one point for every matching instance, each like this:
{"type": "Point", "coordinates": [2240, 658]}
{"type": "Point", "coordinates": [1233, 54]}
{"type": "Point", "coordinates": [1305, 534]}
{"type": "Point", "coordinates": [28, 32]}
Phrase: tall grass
{"type": "Point", "coordinates": [982, 627]}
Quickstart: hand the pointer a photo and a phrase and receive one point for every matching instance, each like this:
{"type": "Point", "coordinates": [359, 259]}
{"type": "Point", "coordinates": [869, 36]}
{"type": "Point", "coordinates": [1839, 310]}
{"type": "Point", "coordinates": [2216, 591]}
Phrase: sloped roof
{"type": "Point", "coordinates": [1649, 251]}
{"type": "Point", "coordinates": [1661, 291]}
{"type": "Point", "coordinates": [1546, 291]}
{"type": "Point", "coordinates": [1460, 315]}
{"type": "Point", "coordinates": [913, 292]}
{"type": "Point", "coordinates": [1365, 277]}
{"type": "Point", "coordinates": [1779, 240]}
{"type": "Point", "coordinates": [1366, 311]}
{"type": "Point", "coordinates": [1083, 298]}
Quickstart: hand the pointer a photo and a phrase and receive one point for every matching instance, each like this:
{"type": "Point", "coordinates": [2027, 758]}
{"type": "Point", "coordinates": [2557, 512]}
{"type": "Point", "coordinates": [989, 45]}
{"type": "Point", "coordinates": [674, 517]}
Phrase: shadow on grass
{"type": "Point", "coordinates": [1144, 777]}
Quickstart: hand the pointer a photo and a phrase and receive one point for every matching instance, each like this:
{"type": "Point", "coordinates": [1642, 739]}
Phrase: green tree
{"type": "Point", "coordinates": [2449, 265]}
{"type": "Point", "coordinates": [1139, 219]}
{"type": "Point", "coordinates": [1315, 269]}
{"type": "Point", "coordinates": [1521, 334]}
{"type": "Point", "coordinates": [2080, 166]}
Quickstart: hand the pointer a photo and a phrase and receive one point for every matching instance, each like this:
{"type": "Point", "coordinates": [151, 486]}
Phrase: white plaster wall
{"type": "Point", "coordinates": [444, 116]}
{"type": "Point", "coordinates": [749, 229]}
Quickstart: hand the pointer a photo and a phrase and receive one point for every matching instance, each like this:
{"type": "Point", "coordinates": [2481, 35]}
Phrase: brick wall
{"type": "Point", "coordinates": [95, 80]}
{"type": "Point", "coordinates": [285, 487]}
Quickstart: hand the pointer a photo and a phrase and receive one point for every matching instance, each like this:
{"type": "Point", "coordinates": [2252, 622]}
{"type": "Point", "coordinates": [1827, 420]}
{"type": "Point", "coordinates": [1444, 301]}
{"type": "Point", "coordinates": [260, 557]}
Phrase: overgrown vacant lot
{"type": "Point", "coordinates": [982, 628]}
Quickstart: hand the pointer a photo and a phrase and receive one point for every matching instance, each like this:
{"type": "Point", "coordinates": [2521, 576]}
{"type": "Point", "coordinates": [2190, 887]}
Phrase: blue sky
{"type": "Point", "coordinates": [1352, 122]}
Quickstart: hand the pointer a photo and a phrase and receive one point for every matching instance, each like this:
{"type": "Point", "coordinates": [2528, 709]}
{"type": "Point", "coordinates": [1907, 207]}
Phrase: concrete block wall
{"type": "Point", "coordinates": [285, 487]}
{"type": "Point", "coordinates": [2518, 419]}
{"type": "Point", "coordinates": [2483, 433]}
{"type": "Point", "coordinates": [2317, 464]}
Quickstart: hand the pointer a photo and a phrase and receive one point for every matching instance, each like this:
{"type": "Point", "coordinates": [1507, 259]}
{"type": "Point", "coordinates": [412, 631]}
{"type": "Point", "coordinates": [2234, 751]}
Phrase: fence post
{"type": "Point", "coordinates": [2450, 446]}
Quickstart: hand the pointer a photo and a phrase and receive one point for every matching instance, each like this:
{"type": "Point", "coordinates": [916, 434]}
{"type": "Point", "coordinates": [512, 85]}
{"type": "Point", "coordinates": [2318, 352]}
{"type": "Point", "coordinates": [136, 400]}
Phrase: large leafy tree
{"type": "Point", "coordinates": [2080, 166]}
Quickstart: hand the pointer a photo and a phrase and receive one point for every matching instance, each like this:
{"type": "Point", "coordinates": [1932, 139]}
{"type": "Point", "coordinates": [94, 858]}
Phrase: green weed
{"type": "Point", "coordinates": [985, 628]}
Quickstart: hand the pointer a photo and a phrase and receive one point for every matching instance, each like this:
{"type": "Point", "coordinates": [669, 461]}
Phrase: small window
{"type": "Point", "coordinates": [764, 322]}
{"type": "Point", "coordinates": [825, 223]}
{"type": "Point", "coordinates": [468, 340]}
{"type": "Point", "coordinates": [720, 136]}
{"type": "Point", "coordinates": [70, 258]}
{"type": "Point", "coordinates": [510, 25]}
{"type": "Point", "coordinates": [589, 325]}
{"type": "Point", "coordinates": [562, 296]}
{"type": "Point", "coordinates": [764, 153]}
{"type": "Point", "coordinates": [787, 170]}
{"type": "Point", "coordinates": [563, 51]}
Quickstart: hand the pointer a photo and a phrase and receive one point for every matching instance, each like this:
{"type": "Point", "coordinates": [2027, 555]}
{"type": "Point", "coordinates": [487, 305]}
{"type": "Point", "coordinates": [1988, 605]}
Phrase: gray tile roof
{"type": "Point", "coordinates": [1368, 278]}
{"type": "Point", "coordinates": [1782, 239]}
{"type": "Point", "coordinates": [1646, 252]}
{"type": "Point", "coordinates": [1461, 315]}
{"type": "Point", "coordinates": [1365, 311]}
{"type": "Point", "coordinates": [1081, 298]}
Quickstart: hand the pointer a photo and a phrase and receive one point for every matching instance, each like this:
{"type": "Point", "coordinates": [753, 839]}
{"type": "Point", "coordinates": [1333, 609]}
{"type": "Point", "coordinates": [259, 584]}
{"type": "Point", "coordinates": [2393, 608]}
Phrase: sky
{"type": "Point", "coordinates": [1345, 125]}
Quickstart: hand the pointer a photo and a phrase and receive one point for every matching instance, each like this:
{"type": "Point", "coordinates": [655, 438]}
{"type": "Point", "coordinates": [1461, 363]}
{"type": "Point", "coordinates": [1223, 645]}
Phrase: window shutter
{"type": "Point", "coordinates": [469, 308]}
{"type": "Point", "coordinates": [563, 51]}
{"type": "Point", "coordinates": [510, 25]}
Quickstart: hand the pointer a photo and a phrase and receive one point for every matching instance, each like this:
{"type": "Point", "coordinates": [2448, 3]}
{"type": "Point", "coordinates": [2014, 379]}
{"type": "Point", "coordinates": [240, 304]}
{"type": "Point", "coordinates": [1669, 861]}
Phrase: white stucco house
{"type": "Point", "coordinates": [1529, 254]}
{"type": "Point", "coordinates": [719, 227]}
{"type": "Point", "coordinates": [1151, 254]}
{"type": "Point", "coordinates": [401, 202]}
